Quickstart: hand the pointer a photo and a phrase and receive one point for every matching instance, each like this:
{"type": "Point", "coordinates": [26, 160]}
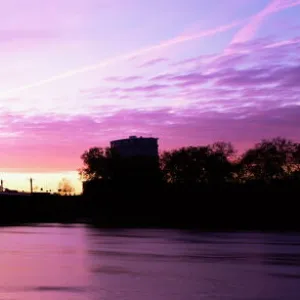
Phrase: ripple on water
{"type": "Point", "coordinates": [45, 288]}
{"type": "Point", "coordinates": [68, 289]}
{"type": "Point", "coordinates": [112, 270]}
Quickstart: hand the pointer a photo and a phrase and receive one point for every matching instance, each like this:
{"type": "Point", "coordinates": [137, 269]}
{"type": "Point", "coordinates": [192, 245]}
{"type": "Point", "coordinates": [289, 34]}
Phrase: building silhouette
{"type": "Point", "coordinates": [134, 162]}
{"type": "Point", "coordinates": [136, 147]}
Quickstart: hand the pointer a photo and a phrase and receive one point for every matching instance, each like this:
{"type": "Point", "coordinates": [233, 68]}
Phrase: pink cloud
{"type": "Point", "coordinates": [187, 79]}
{"type": "Point", "coordinates": [269, 70]}
{"type": "Point", "coordinates": [141, 88]}
{"type": "Point", "coordinates": [123, 78]}
{"type": "Point", "coordinates": [38, 145]}
{"type": "Point", "coordinates": [162, 77]}
{"type": "Point", "coordinates": [264, 73]}
{"type": "Point", "coordinates": [251, 52]}
{"type": "Point", "coordinates": [250, 77]}
{"type": "Point", "coordinates": [198, 77]}
{"type": "Point", "coordinates": [261, 64]}
{"type": "Point", "coordinates": [153, 62]}
{"type": "Point", "coordinates": [123, 57]}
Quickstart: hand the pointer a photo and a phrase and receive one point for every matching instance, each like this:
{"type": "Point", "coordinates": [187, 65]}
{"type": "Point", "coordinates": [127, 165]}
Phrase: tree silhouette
{"type": "Point", "coordinates": [194, 165]}
{"type": "Point", "coordinates": [185, 165]}
{"type": "Point", "coordinates": [219, 162]}
{"type": "Point", "coordinates": [97, 164]}
{"type": "Point", "coordinates": [271, 159]}
{"type": "Point", "coordinates": [65, 187]}
{"type": "Point", "coordinates": [223, 149]}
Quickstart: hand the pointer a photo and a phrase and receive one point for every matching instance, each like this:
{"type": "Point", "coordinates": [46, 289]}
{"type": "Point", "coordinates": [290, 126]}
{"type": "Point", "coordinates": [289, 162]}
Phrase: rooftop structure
{"type": "Point", "coordinates": [136, 146]}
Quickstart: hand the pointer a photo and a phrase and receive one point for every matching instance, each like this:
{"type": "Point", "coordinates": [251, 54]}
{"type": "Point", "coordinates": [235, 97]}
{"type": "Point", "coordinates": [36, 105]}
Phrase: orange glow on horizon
{"type": "Point", "coordinates": [46, 181]}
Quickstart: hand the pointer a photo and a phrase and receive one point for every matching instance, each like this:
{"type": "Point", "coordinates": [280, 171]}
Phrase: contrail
{"type": "Point", "coordinates": [109, 61]}
{"type": "Point", "coordinates": [290, 4]}
{"type": "Point", "coordinates": [249, 30]}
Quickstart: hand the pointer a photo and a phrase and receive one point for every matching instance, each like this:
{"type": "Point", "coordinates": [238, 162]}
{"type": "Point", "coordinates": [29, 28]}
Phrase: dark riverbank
{"type": "Point", "coordinates": [228, 207]}
{"type": "Point", "coordinates": [238, 207]}
{"type": "Point", "coordinates": [41, 209]}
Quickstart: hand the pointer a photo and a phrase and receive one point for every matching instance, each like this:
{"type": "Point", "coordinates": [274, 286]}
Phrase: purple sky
{"type": "Point", "coordinates": [78, 73]}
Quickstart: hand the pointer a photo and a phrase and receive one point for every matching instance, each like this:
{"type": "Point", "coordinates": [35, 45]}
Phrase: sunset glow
{"type": "Point", "coordinates": [79, 73]}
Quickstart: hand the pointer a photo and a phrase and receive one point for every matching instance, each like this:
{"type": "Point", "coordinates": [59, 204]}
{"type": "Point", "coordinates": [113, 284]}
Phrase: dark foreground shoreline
{"type": "Point", "coordinates": [222, 209]}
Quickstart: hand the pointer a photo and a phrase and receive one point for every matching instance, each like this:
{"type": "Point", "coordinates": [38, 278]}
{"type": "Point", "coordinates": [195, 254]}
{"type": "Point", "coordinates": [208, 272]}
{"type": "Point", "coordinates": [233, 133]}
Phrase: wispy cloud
{"type": "Point", "coordinates": [141, 88]}
{"type": "Point", "coordinates": [116, 59]}
{"type": "Point", "coordinates": [37, 35]}
{"type": "Point", "coordinates": [123, 78]}
{"type": "Point", "coordinates": [256, 73]}
{"type": "Point", "coordinates": [153, 62]}
{"type": "Point", "coordinates": [39, 138]}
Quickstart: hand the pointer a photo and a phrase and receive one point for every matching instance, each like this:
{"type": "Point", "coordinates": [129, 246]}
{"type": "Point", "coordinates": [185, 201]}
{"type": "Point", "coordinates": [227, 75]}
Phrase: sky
{"type": "Point", "coordinates": [78, 73]}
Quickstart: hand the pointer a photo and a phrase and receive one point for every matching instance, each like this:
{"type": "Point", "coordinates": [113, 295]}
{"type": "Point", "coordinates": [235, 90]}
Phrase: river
{"type": "Point", "coordinates": [78, 262]}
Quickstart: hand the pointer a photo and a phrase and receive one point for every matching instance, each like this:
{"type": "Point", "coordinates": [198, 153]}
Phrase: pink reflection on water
{"type": "Point", "coordinates": [75, 262]}
{"type": "Point", "coordinates": [36, 260]}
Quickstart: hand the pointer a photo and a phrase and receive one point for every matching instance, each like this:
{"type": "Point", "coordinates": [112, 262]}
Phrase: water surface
{"type": "Point", "coordinates": [77, 262]}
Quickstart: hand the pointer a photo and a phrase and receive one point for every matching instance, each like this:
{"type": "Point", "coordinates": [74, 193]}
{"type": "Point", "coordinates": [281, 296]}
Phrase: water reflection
{"type": "Point", "coordinates": [77, 262]}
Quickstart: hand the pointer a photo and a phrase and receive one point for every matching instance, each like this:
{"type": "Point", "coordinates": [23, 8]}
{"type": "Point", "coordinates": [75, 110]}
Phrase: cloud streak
{"type": "Point", "coordinates": [153, 62]}
{"type": "Point", "coordinates": [249, 30]}
{"type": "Point", "coordinates": [123, 79]}
{"type": "Point", "coordinates": [116, 59]}
{"type": "Point", "coordinates": [37, 133]}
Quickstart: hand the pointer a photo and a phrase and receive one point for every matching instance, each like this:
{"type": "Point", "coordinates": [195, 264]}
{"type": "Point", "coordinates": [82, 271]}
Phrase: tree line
{"type": "Point", "coordinates": [271, 160]}
{"type": "Point", "coordinates": [207, 187]}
